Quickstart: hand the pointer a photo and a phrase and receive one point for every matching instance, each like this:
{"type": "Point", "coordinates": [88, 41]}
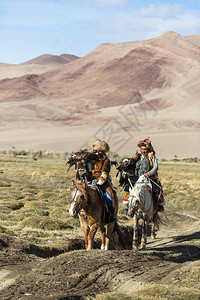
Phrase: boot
{"type": "Point", "coordinates": [161, 202]}
{"type": "Point", "coordinates": [160, 208]}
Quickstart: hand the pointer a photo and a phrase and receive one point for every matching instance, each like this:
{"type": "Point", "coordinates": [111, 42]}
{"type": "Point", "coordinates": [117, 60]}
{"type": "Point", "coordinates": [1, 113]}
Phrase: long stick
{"type": "Point", "coordinates": [130, 182]}
{"type": "Point", "coordinates": [155, 183]}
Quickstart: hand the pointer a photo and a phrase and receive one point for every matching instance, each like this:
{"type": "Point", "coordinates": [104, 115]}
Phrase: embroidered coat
{"type": "Point", "coordinates": [146, 164]}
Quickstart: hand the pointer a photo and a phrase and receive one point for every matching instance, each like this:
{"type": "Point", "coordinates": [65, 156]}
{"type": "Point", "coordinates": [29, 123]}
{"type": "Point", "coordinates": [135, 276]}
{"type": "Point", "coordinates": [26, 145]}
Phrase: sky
{"type": "Point", "coordinates": [30, 28]}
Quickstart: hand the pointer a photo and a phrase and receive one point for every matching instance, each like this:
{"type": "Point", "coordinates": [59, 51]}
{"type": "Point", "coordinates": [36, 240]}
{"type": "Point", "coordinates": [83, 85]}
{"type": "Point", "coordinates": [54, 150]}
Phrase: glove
{"type": "Point", "coordinates": [93, 185]}
{"type": "Point", "coordinates": [124, 174]}
{"type": "Point", "coordinates": [100, 182]}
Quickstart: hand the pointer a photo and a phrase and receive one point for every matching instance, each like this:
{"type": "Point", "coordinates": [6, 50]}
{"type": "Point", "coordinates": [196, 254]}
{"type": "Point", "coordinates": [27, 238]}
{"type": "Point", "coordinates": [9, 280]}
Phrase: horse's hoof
{"type": "Point", "coordinates": [88, 249]}
{"type": "Point", "coordinates": [106, 248]}
{"type": "Point", "coordinates": [102, 247]}
{"type": "Point", "coordinates": [135, 248]}
{"type": "Point", "coordinates": [153, 237]}
{"type": "Point", "coordinates": [143, 247]}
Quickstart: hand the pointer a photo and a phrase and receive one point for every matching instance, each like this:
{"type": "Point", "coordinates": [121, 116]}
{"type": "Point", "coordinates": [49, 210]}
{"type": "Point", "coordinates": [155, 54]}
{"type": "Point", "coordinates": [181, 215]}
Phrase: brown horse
{"type": "Point", "coordinates": [88, 205]}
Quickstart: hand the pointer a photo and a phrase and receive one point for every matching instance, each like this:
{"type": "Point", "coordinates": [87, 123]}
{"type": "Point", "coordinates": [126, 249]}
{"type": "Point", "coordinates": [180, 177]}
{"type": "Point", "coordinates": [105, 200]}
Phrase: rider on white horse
{"type": "Point", "coordinates": [147, 165]}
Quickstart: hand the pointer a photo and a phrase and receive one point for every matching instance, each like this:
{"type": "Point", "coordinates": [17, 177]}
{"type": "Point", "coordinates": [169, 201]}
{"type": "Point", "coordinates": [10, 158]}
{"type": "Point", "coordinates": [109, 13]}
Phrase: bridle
{"type": "Point", "coordinates": [135, 208]}
{"type": "Point", "coordinates": [78, 203]}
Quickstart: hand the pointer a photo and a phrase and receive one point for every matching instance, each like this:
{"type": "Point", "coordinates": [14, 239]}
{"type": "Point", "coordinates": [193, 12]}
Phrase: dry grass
{"type": "Point", "coordinates": [155, 291]}
{"type": "Point", "coordinates": [181, 186]}
{"type": "Point", "coordinates": [35, 197]}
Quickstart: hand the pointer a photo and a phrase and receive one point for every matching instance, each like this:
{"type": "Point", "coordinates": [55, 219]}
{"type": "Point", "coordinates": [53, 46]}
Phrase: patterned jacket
{"type": "Point", "coordinates": [147, 164]}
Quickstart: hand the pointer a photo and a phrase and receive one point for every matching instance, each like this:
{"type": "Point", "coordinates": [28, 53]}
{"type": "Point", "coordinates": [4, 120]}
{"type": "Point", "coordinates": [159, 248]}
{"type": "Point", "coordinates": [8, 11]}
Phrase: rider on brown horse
{"type": "Point", "coordinates": [146, 164]}
{"type": "Point", "coordinates": [100, 170]}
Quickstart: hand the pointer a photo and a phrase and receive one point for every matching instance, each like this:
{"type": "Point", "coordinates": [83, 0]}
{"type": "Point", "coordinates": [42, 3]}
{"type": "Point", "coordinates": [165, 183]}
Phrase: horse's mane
{"type": "Point", "coordinates": [86, 192]}
{"type": "Point", "coordinates": [138, 190]}
{"type": "Point", "coordinates": [79, 187]}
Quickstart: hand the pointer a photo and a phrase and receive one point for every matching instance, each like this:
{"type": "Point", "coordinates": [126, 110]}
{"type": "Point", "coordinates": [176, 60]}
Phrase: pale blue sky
{"type": "Point", "coordinates": [29, 28]}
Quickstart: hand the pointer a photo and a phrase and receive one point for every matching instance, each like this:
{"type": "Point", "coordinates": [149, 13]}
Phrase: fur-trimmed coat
{"type": "Point", "coordinates": [101, 168]}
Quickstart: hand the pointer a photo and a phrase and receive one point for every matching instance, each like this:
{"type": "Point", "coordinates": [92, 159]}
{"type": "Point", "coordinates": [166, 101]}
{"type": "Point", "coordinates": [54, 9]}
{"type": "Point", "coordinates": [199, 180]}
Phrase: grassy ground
{"type": "Point", "coordinates": [154, 291]}
{"type": "Point", "coordinates": [181, 186]}
{"type": "Point", "coordinates": [35, 197]}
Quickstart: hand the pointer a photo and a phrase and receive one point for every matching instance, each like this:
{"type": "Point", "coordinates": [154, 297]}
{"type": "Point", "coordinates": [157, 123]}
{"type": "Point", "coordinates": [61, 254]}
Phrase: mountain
{"type": "Point", "coordinates": [120, 92]}
{"type": "Point", "coordinates": [38, 65]}
{"type": "Point", "coordinates": [48, 59]}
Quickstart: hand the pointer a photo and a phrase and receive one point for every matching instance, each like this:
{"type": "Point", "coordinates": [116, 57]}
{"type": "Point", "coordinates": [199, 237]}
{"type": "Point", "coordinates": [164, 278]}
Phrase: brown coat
{"type": "Point", "coordinates": [101, 171]}
{"type": "Point", "coordinates": [101, 168]}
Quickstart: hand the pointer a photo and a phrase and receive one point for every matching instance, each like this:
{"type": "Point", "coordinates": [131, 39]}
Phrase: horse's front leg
{"type": "Point", "coordinates": [110, 227]}
{"type": "Point", "coordinates": [135, 232]}
{"type": "Point", "coordinates": [153, 227]}
{"type": "Point", "coordinates": [86, 229]}
{"type": "Point", "coordinates": [144, 234]}
{"type": "Point", "coordinates": [92, 232]}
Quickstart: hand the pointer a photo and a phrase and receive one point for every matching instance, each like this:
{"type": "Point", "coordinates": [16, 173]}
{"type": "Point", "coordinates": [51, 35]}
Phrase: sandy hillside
{"type": "Point", "coordinates": [37, 65]}
{"type": "Point", "coordinates": [119, 92]}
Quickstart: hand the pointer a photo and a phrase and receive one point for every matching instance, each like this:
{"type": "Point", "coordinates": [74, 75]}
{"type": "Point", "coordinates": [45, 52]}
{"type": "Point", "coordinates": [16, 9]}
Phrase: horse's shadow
{"type": "Point", "coordinates": [189, 237]}
{"type": "Point", "coordinates": [179, 252]}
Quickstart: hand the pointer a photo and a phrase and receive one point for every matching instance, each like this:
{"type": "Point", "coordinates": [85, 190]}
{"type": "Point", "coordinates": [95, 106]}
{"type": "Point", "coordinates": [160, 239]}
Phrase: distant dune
{"type": "Point", "coordinates": [119, 92]}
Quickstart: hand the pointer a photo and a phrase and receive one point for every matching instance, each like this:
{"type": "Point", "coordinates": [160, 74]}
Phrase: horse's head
{"type": "Point", "coordinates": [133, 202]}
{"type": "Point", "coordinates": [140, 199]}
{"type": "Point", "coordinates": [78, 199]}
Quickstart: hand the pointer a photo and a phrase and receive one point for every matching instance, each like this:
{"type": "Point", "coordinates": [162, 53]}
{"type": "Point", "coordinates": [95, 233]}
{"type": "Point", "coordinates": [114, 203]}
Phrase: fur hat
{"type": "Point", "coordinates": [146, 143]}
{"type": "Point", "coordinates": [99, 145]}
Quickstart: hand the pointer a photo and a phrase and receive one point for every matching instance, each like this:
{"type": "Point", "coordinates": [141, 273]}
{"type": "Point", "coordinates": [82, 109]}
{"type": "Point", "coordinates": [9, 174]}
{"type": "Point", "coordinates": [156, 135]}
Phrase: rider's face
{"type": "Point", "coordinates": [100, 153]}
{"type": "Point", "coordinates": [143, 150]}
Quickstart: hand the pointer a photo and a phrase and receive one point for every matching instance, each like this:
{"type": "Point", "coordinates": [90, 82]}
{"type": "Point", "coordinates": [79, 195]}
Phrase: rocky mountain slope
{"type": "Point", "coordinates": [147, 88]}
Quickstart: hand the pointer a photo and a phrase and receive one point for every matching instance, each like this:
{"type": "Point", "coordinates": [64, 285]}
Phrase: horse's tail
{"type": "Point", "coordinates": [120, 244]}
{"type": "Point", "coordinates": [157, 220]}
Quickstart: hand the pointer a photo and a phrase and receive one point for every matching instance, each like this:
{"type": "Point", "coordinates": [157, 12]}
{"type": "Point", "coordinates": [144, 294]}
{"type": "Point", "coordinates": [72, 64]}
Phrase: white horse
{"type": "Point", "coordinates": [142, 206]}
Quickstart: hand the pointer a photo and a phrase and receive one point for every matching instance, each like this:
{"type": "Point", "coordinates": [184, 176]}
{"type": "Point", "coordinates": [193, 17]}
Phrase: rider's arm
{"type": "Point", "coordinates": [105, 170]}
{"type": "Point", "coordinates": [154, 170]}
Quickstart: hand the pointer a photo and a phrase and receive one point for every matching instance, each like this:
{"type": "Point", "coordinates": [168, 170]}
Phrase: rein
{"type": "Point", "coordinates": [155, 183]}
{"type": "Point", "coordinates": [73, 200]}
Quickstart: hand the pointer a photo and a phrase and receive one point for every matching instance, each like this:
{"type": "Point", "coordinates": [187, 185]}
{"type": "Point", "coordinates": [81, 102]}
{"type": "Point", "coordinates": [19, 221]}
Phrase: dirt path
{"type": "Point", "coordinates": [80, 274]}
